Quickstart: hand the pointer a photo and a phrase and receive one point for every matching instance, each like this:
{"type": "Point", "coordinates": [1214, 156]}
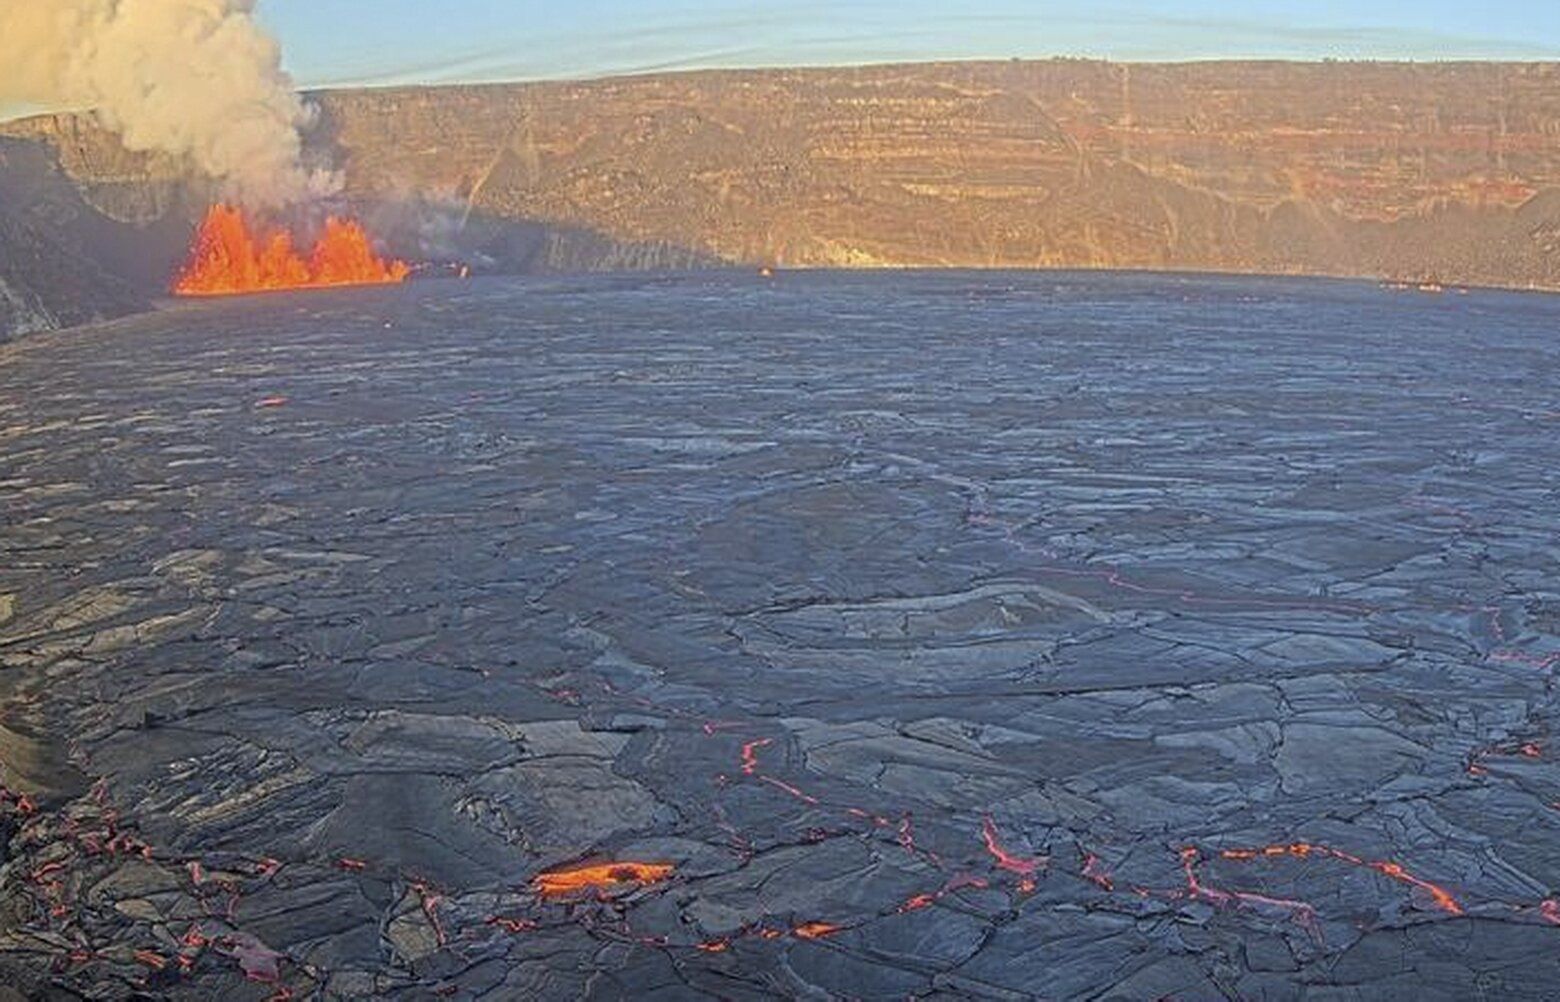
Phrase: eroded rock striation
{"type": "Point", "coordinates": [1439, 171]}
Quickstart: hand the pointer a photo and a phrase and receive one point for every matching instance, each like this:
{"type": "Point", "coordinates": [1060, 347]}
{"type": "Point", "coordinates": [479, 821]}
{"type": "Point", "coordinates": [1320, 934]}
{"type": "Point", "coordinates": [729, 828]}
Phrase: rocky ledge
{"type": "Point", "coordinates": [1419, 172]}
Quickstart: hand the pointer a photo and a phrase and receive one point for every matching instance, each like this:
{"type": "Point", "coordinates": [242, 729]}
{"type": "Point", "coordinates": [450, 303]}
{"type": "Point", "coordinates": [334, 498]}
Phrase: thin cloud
{"type": "Point", "coordinates": [800, 37]}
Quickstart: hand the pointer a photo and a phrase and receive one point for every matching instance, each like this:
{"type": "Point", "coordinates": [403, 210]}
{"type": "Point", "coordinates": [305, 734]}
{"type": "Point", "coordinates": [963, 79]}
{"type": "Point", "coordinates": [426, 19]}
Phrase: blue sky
{"type": "Point", "coordinates": [392, 41]}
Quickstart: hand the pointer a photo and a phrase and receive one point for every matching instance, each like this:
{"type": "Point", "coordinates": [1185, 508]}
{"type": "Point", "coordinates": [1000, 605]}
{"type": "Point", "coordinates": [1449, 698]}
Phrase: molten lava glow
{"type": "Point", "coordinates": [1024, 867]}
{"type": "Point", "coordinates": [790, 790]}
{"type": "Point", "coordinates": [750, 755]}
{"type": "Point", "coordinates": [750, 768]}
{"type": "Point", "coordinates": [816, 930]}
{"type": "Point", "coordinates": [230, 257]}
{"type": "Point", "coordinates": [1094, 869]}
{"type": "Point", "coordinates": [605, 877]}
{"type": "Point", "coordinates": [1301, 912]}
{"type": "Point", "coordinates": [155, 961]}
{"type": "Point", "coordinates": [1302, 850]}
{"type": "Point", "coordinates": [953, 886]}
{"type": "Point", "coordinates": [1527, 749]}
{"type": "Point", "coordinates": [909, 844]}
{"type": "Point", "coordinates": [431, 899]}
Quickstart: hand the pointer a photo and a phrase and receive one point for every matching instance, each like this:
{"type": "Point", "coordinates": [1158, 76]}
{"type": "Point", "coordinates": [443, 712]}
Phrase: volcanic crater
{"type": "Point", "coordinates": [956, 635]}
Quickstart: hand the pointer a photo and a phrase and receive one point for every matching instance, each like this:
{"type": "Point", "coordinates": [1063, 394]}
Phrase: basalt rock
{"type": "Point", "coordinates": [873, 636]}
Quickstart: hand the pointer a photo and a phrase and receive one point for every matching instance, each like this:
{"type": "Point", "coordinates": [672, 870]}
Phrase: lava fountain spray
{"type": "Point", "coordinates": [230, 258]}
{"type": "Point", "coordinates": [202, 81]}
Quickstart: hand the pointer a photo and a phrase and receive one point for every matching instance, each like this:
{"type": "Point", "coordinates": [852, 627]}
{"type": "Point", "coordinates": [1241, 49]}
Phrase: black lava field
{"type": "Point", "coordinates": [935, 636]}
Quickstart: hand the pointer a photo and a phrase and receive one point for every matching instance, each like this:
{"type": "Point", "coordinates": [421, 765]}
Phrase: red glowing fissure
{"type": "Point", "coordinates": [750, 755]}
{"type": "Point", "coordinates": [953, 886]}
{"type": "Point", "coordinates": [80, 838]}
{"type": "Point", "coordinates": [1532, 750]}
{"type": "Point", "coordinates": [1024, 867]}
{"type": "Point", "coordinates": [513, 926]}
{"type": "Point", "coordinates": [430, 899]}
{"type": "Point", "coordinates": [1300, 911]}
{"type": "Point", "coordinates": [1094, 870]}
{"type": "Point", "coordinates": [1442, 898]}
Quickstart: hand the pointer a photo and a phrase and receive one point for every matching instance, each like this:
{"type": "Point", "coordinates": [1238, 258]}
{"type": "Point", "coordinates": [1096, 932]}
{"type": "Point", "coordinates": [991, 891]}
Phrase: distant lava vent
{"type": "Point", "coordinates": [231, 256]}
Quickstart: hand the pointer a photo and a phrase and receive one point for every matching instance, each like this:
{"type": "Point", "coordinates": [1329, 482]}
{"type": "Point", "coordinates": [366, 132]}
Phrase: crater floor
{"type": "Point", "coordinates": [939, 636]}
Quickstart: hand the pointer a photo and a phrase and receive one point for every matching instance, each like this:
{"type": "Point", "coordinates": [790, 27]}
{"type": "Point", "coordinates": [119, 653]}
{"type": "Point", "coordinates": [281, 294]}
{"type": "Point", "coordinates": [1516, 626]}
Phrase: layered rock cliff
{"type": "Point", "coordinates": [1407, 171]}
{"type": "Point", "coordinates": [1389, 170]}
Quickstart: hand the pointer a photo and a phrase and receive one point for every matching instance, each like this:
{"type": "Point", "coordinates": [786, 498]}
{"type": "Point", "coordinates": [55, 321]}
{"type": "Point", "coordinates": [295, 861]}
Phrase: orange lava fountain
{"type": "Point", "coordinates": [229, 258]}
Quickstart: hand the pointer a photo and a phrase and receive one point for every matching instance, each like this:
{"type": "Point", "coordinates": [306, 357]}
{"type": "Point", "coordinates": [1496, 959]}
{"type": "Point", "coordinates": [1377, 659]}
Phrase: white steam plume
{"type": "Point", "coordinates": [194, 78]}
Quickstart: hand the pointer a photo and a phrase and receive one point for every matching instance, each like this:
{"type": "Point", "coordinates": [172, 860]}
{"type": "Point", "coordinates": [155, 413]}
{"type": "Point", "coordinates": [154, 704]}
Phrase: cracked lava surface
{"type": "Point", "coordinates": [913, 636]}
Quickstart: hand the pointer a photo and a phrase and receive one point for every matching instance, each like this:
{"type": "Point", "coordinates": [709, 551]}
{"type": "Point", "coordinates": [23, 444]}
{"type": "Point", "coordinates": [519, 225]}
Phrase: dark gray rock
{"type": "Point", "coordinates": [953, 636]}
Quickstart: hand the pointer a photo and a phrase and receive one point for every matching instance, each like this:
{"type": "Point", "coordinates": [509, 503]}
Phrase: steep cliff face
{"type": "Point", "coordinates": [44, 286]}
{"type": "Point", "coordinates": [58, 254]}
{"type": "Point", "coordinates": [1385, 170]}
{"type": "Point", "coordinates": [89, 231]}
{"type": "Point", "coordinates": [1356, 169]}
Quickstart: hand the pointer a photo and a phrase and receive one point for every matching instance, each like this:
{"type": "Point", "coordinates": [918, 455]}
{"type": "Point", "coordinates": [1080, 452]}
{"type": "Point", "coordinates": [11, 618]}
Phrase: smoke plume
{"type": "Point", "coordinates": [194, 78]}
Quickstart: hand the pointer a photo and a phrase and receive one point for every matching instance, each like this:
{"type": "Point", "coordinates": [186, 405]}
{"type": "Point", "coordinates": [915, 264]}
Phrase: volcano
{"type": "Point", "coordinates": [231, 256]}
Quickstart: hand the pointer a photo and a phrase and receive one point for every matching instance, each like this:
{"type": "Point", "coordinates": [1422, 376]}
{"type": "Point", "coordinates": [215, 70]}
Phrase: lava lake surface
{"type": "Point", "coordinates": [958, 635]}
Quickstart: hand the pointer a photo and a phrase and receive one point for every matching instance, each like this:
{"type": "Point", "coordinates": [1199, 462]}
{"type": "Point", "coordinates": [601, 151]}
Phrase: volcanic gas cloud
{"type": "Point", "coordinates": [202, 81]}
{"type": "Point", "coordinates": [231, 256]}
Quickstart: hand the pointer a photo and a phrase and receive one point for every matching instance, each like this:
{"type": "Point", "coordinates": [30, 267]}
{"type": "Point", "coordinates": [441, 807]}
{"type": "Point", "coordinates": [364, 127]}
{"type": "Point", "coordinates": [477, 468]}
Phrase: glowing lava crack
{"type": "Point", "coordinates": [603, 878]}
{"type": "Point", "coordinates": [230, 257]}
{"type": "Point", "coordinates": [1441, 897]}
